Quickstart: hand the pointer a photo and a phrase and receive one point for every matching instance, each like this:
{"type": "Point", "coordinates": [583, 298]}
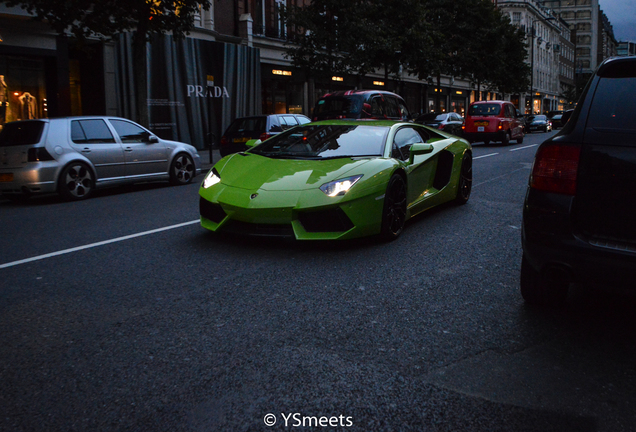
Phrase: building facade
{"type": "Point", "coordinates": [594, 40]}
{"type": "Point", "coordinates": [233, 64]}
{"type": "Point", "coordinates": [626, 49]}
{"type": "Point", "coordinates": [550, 54]}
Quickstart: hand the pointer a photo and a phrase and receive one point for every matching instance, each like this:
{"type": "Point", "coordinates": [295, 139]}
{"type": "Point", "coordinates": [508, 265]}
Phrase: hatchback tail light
{"type": "Point", "coordinates": [440, 126]}
{"type": "Point", "coordinates": [224, 141]}
{"type": "Point", "coordinates": [555, 168]}
{"type": "Point", "coordinates": [265, 135]}
{"type": "Point", "coordinates": [38, 154]}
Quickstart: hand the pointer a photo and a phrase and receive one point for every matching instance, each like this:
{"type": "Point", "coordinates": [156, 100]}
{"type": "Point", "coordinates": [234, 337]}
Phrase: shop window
{"type": "Point", "coordinates": [22, 89]}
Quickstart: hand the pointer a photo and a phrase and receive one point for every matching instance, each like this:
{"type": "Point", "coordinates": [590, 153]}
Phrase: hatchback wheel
{"type": "Point", "coordinates": [182, 169]}
{"type": "Point", "coordinates": [76, 182]}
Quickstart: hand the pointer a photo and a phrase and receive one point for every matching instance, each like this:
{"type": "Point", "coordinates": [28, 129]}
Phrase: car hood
{"type": "Point", "coordinates": [254, 172]}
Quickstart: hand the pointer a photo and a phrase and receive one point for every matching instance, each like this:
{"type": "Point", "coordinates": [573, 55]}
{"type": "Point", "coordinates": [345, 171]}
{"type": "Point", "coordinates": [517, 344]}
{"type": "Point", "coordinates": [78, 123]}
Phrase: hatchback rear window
{"type": "Point", "coordinates": [484, 110]}
{"type": "Point", "coordinates": [251, 124]}
{"type": "Point", "coordinates": [21, 133]}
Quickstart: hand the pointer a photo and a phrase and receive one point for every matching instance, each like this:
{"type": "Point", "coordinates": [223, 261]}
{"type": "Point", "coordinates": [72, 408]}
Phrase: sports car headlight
{"type": "Point", "coordinates": [211, 179]}
{"type": "Point", "coordinates": [340, 187]}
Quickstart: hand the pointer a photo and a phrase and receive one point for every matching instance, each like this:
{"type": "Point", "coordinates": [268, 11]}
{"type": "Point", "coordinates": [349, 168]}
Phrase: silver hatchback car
{"type": "Point", "coordinates": [75, 155]}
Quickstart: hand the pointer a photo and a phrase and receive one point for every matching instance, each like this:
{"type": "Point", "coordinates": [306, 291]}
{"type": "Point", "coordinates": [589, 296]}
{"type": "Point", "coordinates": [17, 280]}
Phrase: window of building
{"type": "Point", "coordinates": [22, 89]}
{"type": "Point", "coordinates": [583, 40]}
{"type": "Point", "coordinates": [584, 14]}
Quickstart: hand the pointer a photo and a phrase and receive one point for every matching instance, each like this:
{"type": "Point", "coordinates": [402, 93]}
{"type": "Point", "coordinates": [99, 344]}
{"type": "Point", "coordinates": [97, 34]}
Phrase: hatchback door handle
{"type": "Point", "coordinates": [86, 150]}
{"type": "Point", "coordinates": [128, 149]}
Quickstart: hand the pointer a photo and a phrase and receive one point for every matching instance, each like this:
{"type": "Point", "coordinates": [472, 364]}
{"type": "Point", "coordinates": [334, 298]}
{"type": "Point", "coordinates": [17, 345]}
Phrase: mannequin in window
{"type": "Point", "coordinates": [28, 109]}
{"type": "Point", "coordinates": [4, 100]}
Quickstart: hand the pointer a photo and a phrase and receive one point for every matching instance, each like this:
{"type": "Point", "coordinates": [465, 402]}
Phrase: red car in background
{"type": "Point", "coordinates": [493, 120]}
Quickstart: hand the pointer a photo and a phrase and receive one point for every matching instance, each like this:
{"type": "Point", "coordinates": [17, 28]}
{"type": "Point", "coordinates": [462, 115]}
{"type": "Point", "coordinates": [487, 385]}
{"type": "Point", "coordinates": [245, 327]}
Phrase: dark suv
{"type": "Point", "coordinates": [578, 216]}
{"type": "Point", "coordinates": [261, 127]}
{"type": "Point", "coordinates": [361, 104]}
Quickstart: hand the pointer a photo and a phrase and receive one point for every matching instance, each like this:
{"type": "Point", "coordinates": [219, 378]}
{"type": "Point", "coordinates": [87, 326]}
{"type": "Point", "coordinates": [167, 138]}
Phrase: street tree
{"type": "Point", "coordinates": [103, 19]}
{"type": "Point", "coordinates": [358, 36]}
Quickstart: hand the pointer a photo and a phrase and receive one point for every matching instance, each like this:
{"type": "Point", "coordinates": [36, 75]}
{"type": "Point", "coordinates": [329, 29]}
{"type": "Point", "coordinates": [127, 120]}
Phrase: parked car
{"type": "Point", "coordinates": [578, 216]}
{"type": "Point", "coordinates": [74, 155]}
{"type": "Point", "coordinates": [556, 121]}
{"type": "Point", "coordinates": [448, 122]}
{"type": "Point", "coordinates": [493, 120]}
{"type": "Point", "coordinates": [336, 179]}
{"type": "Point", "coordinates": [260, 127]}
{"type": "Point", "coordinates": [361, 104]}
{"type": "Point", "coordinates": [538, 122]}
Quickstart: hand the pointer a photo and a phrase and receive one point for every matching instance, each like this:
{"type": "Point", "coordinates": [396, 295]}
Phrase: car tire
{"type": "Point", "coordinates": [76, 182]}
{"type": "Point", "coordinates": [182, 169]}
{"type": "Point", "coordinates": [520, 139]}
{"type": "Point", "coordinates": [506, 139]}
{"type": "Point", "coordinates": [539, 289]}
{"type": "Point", "coordinates": [394, 209]}
{"type": "Point", "coordinates": [465, 183]}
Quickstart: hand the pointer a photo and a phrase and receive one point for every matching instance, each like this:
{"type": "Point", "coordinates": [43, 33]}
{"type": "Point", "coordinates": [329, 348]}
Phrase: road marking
{"type": "Point", "coordinates": [525, 147]}
{"type": "Point", "coordinates": [92, 245]}
{"type": "Point", "coordinates": [498, 177]}
{"type": "Point", "coordinates": [483, 156]}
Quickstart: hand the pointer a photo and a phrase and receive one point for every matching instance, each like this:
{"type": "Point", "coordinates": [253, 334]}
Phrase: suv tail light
{"type": "Point", "coordinates": [38, 154]}
{"type": "Point", "coordinates": [555, 168]}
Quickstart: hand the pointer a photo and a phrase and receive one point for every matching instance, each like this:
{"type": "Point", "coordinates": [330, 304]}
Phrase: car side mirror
{"type": "Point", "coordinates": [419, 149]}
{"type": "Point", "coordinates": [152, 139]}
{"type": "Point", "coordinates": [252, 143]}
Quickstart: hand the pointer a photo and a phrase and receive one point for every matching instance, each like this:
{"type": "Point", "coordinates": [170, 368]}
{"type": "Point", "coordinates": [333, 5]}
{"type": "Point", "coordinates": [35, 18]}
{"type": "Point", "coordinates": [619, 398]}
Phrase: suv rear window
{"type": "Point", "coordinates": [21, 133]}
{"type": "Point", "coordinates": [612, 109]}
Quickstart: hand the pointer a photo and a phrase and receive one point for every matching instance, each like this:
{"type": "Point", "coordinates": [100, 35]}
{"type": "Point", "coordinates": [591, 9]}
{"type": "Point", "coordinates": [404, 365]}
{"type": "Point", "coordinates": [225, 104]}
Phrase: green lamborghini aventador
{"type": "Point", "coordinates": [336, 179]}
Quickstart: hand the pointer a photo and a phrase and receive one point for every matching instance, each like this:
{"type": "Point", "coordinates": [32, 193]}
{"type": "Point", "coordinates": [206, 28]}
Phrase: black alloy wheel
{"type": "Point", "coordinates": [465, 183]}
{"type": "Point", "coordinates": [182, 169]}
{"type": "Point", "coordinates": [394, 211]}
{"type": "Point", "coordinates": [76, 182]}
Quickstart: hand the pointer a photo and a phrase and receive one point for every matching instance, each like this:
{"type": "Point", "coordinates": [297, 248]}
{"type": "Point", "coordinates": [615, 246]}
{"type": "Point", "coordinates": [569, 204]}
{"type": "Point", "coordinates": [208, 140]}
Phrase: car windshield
{"type": "Point", "coordinates": [345, 106]}
{"type": "Point", "coordinates": [539, 118]}
{"type": "Point", "coordinates": [325, 141]}
{"type": "Point", "coordinates": [484, 110]}
{"type": "Point", "coordinates": [21, 133]}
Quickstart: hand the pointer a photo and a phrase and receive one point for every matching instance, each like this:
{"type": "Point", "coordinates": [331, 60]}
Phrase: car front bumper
{"type": "Point", "coordinates": [303, 215]}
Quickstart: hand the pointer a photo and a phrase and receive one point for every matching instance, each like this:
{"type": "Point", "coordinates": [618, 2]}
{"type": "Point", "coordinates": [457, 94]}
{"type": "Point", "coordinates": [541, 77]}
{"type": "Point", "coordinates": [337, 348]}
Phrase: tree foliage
{"type": "Point", "coordinates": [468, 39]}
{"type": "Point", "coordinates": [106, 18]}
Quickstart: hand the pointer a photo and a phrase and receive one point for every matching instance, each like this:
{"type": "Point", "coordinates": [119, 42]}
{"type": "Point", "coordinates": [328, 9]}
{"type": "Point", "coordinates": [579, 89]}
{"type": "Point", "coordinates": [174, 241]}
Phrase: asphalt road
{"type": "Point", "coordinates": [121, 313]}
